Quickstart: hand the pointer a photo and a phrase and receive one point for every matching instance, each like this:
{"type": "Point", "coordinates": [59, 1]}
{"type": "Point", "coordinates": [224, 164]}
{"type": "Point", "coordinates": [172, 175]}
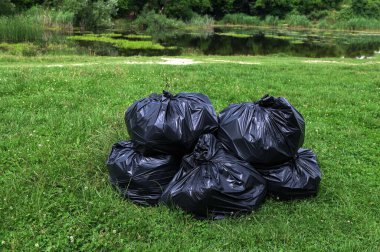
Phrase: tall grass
{"type": "Point", "coordinates": [31, 25]}
{"type": "Point", "coordinates": [21, 28]}
{"type": "Point", "coordinates": [240, 18]}
{"type": "Point", "coordinates": [201, 21]}
{"type": "Point", "coordinates": [358, 23]}
{"type": "Point", "coordinates": [295, 20]}
{"type": "Point", "coordinates": [271, 20]}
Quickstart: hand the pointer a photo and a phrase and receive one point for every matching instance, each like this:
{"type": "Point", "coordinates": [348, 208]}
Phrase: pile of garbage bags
{"type": "Point", "coordinates": [183, 155]}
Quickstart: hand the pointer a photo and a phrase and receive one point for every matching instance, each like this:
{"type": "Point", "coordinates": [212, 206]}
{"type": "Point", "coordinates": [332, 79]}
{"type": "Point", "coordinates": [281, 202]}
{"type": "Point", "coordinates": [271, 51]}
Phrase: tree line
{"type": "Point", "coordinates": [186, 9]}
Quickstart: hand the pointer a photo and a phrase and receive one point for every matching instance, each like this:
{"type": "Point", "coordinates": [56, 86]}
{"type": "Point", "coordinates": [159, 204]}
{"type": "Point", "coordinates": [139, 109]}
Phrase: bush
{"type": "Point", "coordinates": [240, 18]}
{"type": "Point", "coordinates": [297, 20]}
{"type": "Point", "coordinates": [6, 7]}
{"type": "Point", "coordinates": [366, 8]}
{"type": "Point", "coordinates": [91, 14]}
{"type": "Point", "coordinates": [153, 22]}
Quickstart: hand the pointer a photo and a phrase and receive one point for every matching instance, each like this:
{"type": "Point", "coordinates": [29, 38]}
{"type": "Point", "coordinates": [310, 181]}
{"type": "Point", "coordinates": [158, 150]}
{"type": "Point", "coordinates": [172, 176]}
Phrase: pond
{"type": "Point", "coordinates": [223, 41]}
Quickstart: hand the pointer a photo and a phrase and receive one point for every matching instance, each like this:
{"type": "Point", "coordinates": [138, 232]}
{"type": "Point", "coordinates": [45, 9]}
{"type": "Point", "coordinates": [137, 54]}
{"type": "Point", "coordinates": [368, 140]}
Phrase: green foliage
{"type": "Point", "coordinates": [201, 21]}
{"type": "Point", "coordinates": [297, 20]}
{"type": "Point", "coordinates": [366, 8]}
{"type": "Point", "coordinates": [183, 9]}
{"type": "Point", "coordinates": [240, 18]}
{"type": "Point", "coordinates": [153, 22]}
{"type": "Point", "coordinates": [91, 14]}
{"type": "Point", "coordinates": [6, 7]}
{"type": "Point", "coordinates": [221, 7]}
{"type": "Point", "coordinates": [22, 5]}
{"type": "Point", "coordinates": [271, 20]}
{"type": "Point", "coordinates": [316, 9]}
{"type": "Point", "coordinates": [21, 28]}
{"type": "Point", "coordinates": [277, 8]}
{"type": "Point", "coordinates": [324, 24]}
{"type": "Point", "coordinates": [358, 23]}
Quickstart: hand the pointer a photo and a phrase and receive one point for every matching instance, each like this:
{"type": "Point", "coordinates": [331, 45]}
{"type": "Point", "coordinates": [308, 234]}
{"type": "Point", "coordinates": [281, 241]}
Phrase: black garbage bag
{"type": "Point", "coordinates": [170, 124]}
{"type": "Point", "coordinates": [296, 179]}
{"type": "Point", "coordinates": [266, 132]}
{"type": "Point", "coordinates": [140, 178]}
{"type": "Point", "coordinates": [213, 183]}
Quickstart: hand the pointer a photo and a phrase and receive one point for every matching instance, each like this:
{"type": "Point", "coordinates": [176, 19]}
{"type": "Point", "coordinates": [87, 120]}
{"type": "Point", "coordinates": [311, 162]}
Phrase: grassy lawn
{"type": "Point", "coordinates": [59, 117]}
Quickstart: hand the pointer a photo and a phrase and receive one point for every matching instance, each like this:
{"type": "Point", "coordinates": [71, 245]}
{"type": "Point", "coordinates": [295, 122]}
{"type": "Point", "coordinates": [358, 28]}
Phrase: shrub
{"type": "Point", "coordinates": [153, 22]}
{"type": "Point", "coordinates": [366, 8]}
{"type": "Point", "coordinates": [6, 7]}
{"type": "Point", "coordinates": [91, 14]}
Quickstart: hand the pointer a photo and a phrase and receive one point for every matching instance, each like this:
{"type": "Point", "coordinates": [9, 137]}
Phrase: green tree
{"type": "Point", "coordinates": [222, 7]}
{"type": "Point", "coordinates": [92, 14]}
{"type": "Point", "coordinates": [6, 7]}
{"type": "Point", "coordinates": [367, 8]}
{"type": "Point", "coordinates": [317, 8]}
{"type": "Point", "coordinates": [278, 8]}
{"type": "Point", "coordinates": [25, 4]}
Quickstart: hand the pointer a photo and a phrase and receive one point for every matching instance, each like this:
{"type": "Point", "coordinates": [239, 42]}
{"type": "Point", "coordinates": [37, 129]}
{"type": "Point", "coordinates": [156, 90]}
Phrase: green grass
{"type": "Point", "coordinates": [58, 123]}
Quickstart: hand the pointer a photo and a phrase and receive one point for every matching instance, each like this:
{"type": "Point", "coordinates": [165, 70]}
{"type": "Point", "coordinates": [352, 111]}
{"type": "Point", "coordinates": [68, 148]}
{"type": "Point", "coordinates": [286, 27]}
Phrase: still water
{"type": "Point", "coordinates": [231, 41]}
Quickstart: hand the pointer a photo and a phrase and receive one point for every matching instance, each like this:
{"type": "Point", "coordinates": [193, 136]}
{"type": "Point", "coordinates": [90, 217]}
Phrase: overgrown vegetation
{"type": "Point", "coordinates": [21, 28]}
{"type": "Point", "coordinates": [153, 22]}
{"type": "Point", "coordinates": [158, 15]}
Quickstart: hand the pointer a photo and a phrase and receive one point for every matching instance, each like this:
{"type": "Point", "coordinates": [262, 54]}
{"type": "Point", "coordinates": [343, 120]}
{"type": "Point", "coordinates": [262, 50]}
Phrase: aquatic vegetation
{"type": "Point", "coordinates": [279, 36]}
{"type": "Point", "coordinates": [121, 43]}
{"type": "Point", "coordinates": [297, 42]}
{"type": "Point", "coordinates": [138, 36]}
{"type": "Point", "coordinates": [21, 28]}
{"type": "Point", "coordinates": [235, 35]}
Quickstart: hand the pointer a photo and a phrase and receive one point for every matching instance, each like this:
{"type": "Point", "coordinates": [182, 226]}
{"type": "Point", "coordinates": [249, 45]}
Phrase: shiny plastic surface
{"type": "Point", "coordinates": [140, 178]}
{"type": "Point", "coordinates": [213, 184]}
{"type": "Point", "coordinates": [170, 124]}
{"type": "Point", "coordinates": [267, 132]}
{"type": "Point", "coordinates": [295, 179]}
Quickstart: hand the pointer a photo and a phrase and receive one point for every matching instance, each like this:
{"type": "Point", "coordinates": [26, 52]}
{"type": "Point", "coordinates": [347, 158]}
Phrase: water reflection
{"type": "Point", "coordinates": [251, 42]}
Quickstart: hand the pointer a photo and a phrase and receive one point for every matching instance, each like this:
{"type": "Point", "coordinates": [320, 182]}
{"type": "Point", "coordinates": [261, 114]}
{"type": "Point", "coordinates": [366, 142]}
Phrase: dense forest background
{"type": "Point", "coordinates": [102, 13]}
